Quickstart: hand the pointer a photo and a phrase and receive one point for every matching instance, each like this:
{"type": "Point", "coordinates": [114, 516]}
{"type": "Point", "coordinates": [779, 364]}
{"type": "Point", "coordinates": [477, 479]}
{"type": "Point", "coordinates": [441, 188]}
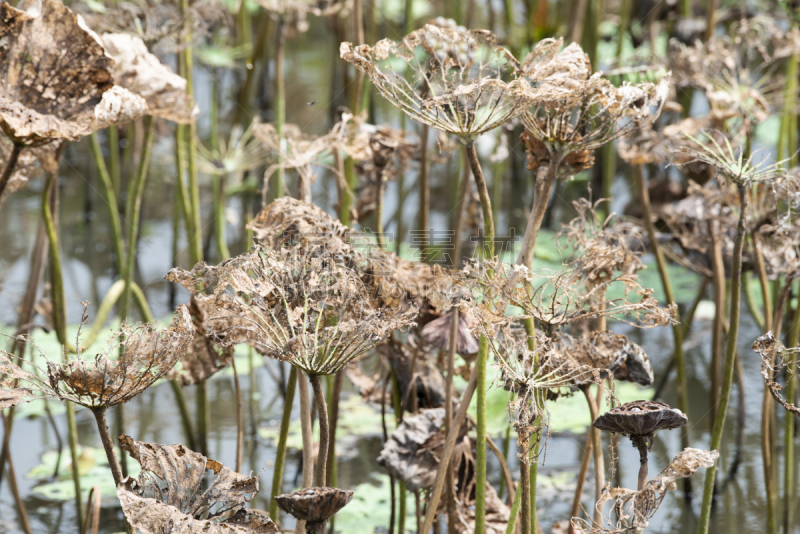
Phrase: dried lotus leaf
{"type": "Point", "coordinates": [139, 71]}
{"type": "Point", "coordinates": [170, 494]}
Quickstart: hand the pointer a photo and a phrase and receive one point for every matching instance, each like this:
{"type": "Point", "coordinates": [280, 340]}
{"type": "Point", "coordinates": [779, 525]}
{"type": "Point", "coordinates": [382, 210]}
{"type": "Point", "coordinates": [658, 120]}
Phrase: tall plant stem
{"type": "Point", "coordinates": [597, 448]}
{"type": "Point", "coordinates": [113, 156]}
{"type": "Point", "coordinates": [306, 428]}
{"type": "Point", "coordinates": [677, 329]}
{"type": "Point", "coordinates": [586, 457]}
{"type": "Point", "coordinates": [730, 355]}
{"type": "Point", "coordinates": [379, 211]}
{"type": "Point", "coordinates": [523, 447]}
{"type": "Point", "coordinates": [335, 390]}
{"type": "Point", "coordinates": [788, 136]}
{"type": "Point", "coordinates": [717, 332]}
{"type": "Point", "coordinates": [280, 454]}
{"type": "Point", "coordinates": [219, 217]}
{"type": "Point", "coordinates": [767, 403]}
{"type": "Point", "coordinates": [511, 527]}
{"type": "Point", "coordinates": [322, 412]}
{"type": "Point", "coordinates": [424, 192]}
{"type": "Point", "coordinates": [448, 418]}
{"type": "Point", "coordinates": [458, 222]}
{"type": "Point", "coordinates": [11, 164]}
{"type": "Point", "coordinates": [108, 446]}
{"type": "Point", "coordinates": [788, 432]}
{"type": "Point", "coordinates": [545, 180]}
{"type": "Point", "coordinates": [711, 8]}
{"type": "Point", "coordinates": [280, 98]}
{"type": "Point", "coordinates": [60, 324]}
{"type": "Point", "coordinates": [243, 98]}
{"type": "Point", "coordinates": [483, 351]}
{"type": "Point", "coordinates": [397, 406]}
{"type": "Point", "coordinates": [239, 417]}
{"type": "Point", "coordinates": [109, 191]}
{"type": "Point", "coordinates": [447, 452]}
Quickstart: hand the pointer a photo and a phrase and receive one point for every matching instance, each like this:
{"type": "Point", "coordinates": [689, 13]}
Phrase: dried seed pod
{"type": "Point", "coordinates": [639, 420]}
{"type": "Point", "coordinates": [171, 495]}
{"type": "Point", "coordinates": [314, 505]}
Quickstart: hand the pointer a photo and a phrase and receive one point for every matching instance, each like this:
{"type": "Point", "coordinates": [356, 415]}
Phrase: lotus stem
{"type": "Point", "coordinates": [511, 527]}
{"type": "Point", "coordinates": [60, 324]}
{"type": "Point", "coordinates": [448, 418]}
{"type": "Point", "coordinates": [545, 180]}
{"type": "Point", "coordinates": [346, 199]}
{"type": "Point", "coordinates": [458, 223]}
{"type": "Point", "coordinates": [717, 333]}
{"type": "Point", "coordinates": [582, 472]}
{"type": "Point", "coordinates": [523, 453]}
{"type": "Point", "coordinates": [243, 97]}
{"type": "Point", "coordinates": [486, 202]}
{"type": "Point", "coordinates": [322, 412]}
{"type": "Point", "coordinates": [447, 452]}
{"type": "Point", "coordinates": [280, 98]}
{"type": "Point", "coordinates": [597, 449]}
{"type": "Point", "coordinates": [506, 450]}
{"type": "Point", "coordinates": [397, 405]}
{"type": "Point", "coordinates": [113, 156]}
{"type": "Point", "coordinates": [730, 356]}
{"type": "Point", "coordinates": [280, 454]}
{"type": "Point", "coordinates": [424, 192]}
{"type": "Point", "coordinates": [335, 391]}
{"type": "Point", "coordinates": [677, 330]}
{"type": "Point", "coordinates": [108, 445]}
{"type": "Point", "coordinates": [109, 190]}
{"type": "Point", "coordinates": [379, 211]}
{"type": "Point", "coordinates": [11, 164]}
{"type": "Point", "coordinates": [239, 417]}
{"type": "Point", "coordinates": [203, 417]}
{"type": "Point", "coordinates": [392, 499]}
{"type": "Point", "coordinates": [195, 251]}
{"type": "Point", "coordinates": [92, 511]}
{"type": "Point", "coordinates": [219, 198]}
{"type": "Point", "coordinates": [788, 431]}
{"type": "Point", "coordinates": [711, 8]}
{"type": "Point", "coordinates": [642, 481]}
{"type": "Point", "coordinates": [306, 427]}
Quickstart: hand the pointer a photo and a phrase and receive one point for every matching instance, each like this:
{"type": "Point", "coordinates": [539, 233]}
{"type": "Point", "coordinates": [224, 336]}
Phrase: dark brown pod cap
{"type": "Point", "coordinates": [314, 504]}
{"type": "Point", "coordinates": [640, 418]}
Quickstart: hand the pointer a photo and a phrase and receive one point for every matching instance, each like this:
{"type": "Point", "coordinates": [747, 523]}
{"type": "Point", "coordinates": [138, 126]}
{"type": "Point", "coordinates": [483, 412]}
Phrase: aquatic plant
{"type": "Point", "coordinates": [172, 493]}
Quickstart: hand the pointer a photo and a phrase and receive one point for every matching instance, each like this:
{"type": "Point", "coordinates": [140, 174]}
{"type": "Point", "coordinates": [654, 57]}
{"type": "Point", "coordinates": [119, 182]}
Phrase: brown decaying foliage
{"type": "Point", "coordinates": [774, 361]}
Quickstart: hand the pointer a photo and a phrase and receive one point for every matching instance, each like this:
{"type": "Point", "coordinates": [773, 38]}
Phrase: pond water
{"type": "Point", "coordinates": [152, 417]}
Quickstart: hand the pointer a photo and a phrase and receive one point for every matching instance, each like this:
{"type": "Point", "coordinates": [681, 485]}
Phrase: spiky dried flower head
{"type": "Point", "coordinates": [309, 311]}
{"type": "Point", "coordinates": [775, 361]}
{"type": "Point", "coordinates": [570, 111]}
{"type": "Point", "coordinates": [55, 77]}
{"type": "Point", "coordinates": [634, 509]}
{"type": "Point", "coordinates": [139, 71]}
{"type": "Point", "coordinates": [145, 355]}
{"type": "Point", "coordinates": [393, 281]}
{"type": "Point", "coordinates": [456, 80]}
{"type": "Point", "coordinates": [242, 151]}
{"type": "Point", "coordinates": [174, 494]}
{"type": "Point", "coordinates": [731, 160]}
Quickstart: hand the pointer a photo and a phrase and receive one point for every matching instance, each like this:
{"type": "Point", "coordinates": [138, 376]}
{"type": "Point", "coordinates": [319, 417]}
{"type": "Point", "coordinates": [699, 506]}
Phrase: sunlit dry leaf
{"type": "Point", "coordinates": [170, 495]}
{"type": "Point", "coordinates": [142, 73]}
{"type": "Point", "coordinates": [56, 77]}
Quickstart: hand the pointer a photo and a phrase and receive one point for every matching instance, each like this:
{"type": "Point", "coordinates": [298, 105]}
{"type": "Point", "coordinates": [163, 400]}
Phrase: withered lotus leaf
{"type": "Point", "coordinates": [775, 359]}
{"type": "Point", "coordinates": [437, 333]}
{"type": "Point", "coordinates": [170, 496]}
{"type": "Point", "coordinates": [55, 77]}
{"type": "Point", "coordinates": [140, 72]}
{"type": "Point", "coordinates": [147, 354]}
{"type": "Point", "coordinates": [314, 504]}
{"type": "Point", "coordinates": [640, 418]}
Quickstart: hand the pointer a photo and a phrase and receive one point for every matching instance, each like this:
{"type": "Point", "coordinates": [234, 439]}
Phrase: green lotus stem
{"type": "Point", "coordinates": [306, 427]}
{"type": "Point", "coordinates": [788, 432]}
{"type": "Point", "coordinates": [523, 450]}
{"type": "Point", "coordinates": [533, 470]}
{"type": "Point", "coordinates": [283, 436]}
{"type": "Point", "coordinates": [677, 329]}
{"type": "Point", "coordinates": [60, 325]}
{"type": "Point", "coordinates": [397, 405]}
{"type": "Point", "coordinates": [750, 300]}
{"type": "Point", "coordinates": [11, 164]}
{"type": "Point", "coordinates": [545, 181]}
{"type": "Point", "coordinates": [515, 506]}
{"type": "Point", "coordinates": [506, 450]}
{"type": "Point", "coordinates": [609, 158]}
{"type": "Point", "coordinates": [589, 34]}
{"type": "Point", "coordinates": [346, 200]}
{"type": "Point", "coordinates": [243, 98]}
{"type": "Point", "coordinates": [379, 212]}
{"type": "Point", "coordinates": [218, 184]}
{"type": "Point", "coordinates": [448, 416]}
{"type": "Point", "coordinates": [113, 156]}
{"type": "Point", "coordinates": [711, 8]}
{"type": "Point", "coordinates": [717, 333]}
{"type": "Point", "coordinates": [334, 386]}
{"type": "Point", "coordinates": [730, 355]}
{"type": "Point", "coordinates": [111, 199]}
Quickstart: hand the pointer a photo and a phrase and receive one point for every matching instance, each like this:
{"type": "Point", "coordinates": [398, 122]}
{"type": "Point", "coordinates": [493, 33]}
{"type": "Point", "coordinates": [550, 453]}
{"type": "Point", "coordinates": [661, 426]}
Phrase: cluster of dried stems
{"type": "Point", "coordinates": [317, 294]}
